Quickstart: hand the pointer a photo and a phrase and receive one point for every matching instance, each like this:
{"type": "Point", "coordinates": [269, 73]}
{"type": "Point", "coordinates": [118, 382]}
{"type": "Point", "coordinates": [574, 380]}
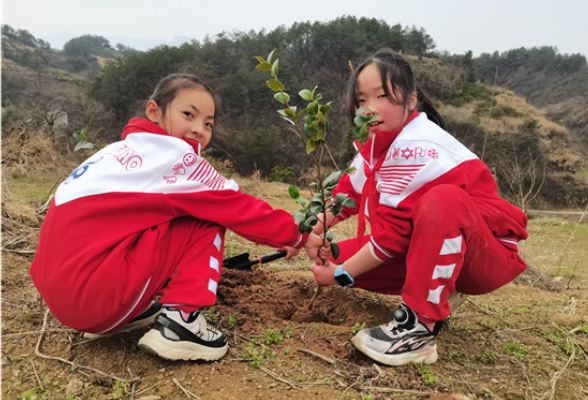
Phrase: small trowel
{"type": "Point", "coordinates": [243, 263]}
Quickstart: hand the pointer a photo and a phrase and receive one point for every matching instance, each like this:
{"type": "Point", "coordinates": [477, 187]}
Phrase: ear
{"type": "Point", "coordinates": [153, 112]}
{"type": "Point", "coordinates": [412, 101]}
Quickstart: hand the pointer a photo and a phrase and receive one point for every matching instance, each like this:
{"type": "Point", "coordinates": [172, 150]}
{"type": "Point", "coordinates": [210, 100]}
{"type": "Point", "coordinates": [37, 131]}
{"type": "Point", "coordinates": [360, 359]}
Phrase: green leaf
{"type": "Point", "coordinates": [349, 202]}
{"type": "Point", "coordinates": [306, 94]}
{"type": "Point", "coordinates": [311, 219]}
{"type": "Point", "coordinates": [290, 113]}
{"type": "Point", "coordinates": [358, 120]}
{"type": "Point", "coordinates": [275, 85]}
{"type": "Point", "coordinates": [261, 60]}
{"type": "Point", "coordinates": [275, 67]}
{"type": "Point", "coordinates": [265, 66]}
{"type": "Point", "coordinates": [299, 216]}
{"type": "Point", "coordinates": [282, 97]}
{"type": "Point", "coordinates": [340, 197]}
{"type": "Point", "coordinates": [270, 55]}
{"type": "Point", "coordinates": [330, 236]}
{"type": "Point", "coordinates": [304, 227]}
{"type": "Point", "coordinates": [81, 134]}
{"type": "Point", "coordinates": [332, 179]}
{"type": "Point", "coordinates": [326, 108]}
{"type": "Point", "coordinates": [293, 192]}
{"type": "Point", "coordinates": [311, 146]}
{"type": "Point", "coordinates": [335, 251]}
{"type": "Point", "coordinates": [363, 111]}
{"type": "Point", "coordinates": [351, 170]}
{"type": "Point", "coordinates": [302, 201]}
{"type": "Point", "coordinates": [84, 145]}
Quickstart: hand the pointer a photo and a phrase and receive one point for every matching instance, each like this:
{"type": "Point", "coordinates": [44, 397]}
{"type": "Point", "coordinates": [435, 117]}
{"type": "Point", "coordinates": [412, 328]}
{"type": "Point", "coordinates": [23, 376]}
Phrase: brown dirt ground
{"type": "Point", "coordinates": [527, 340]}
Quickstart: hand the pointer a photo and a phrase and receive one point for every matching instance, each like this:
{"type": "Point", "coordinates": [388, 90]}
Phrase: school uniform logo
{"type": "Point", "coordinates": [413, 153]}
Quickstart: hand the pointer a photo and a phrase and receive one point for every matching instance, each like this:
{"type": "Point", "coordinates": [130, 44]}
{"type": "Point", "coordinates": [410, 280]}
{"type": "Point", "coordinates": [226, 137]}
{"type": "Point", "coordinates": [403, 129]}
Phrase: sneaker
{"type": "Point", "coordinates": [174, 338]}
{"type": "Point", "coordinates": [147, 318]}
{"type": "Point", "coordinates": [405, 339]}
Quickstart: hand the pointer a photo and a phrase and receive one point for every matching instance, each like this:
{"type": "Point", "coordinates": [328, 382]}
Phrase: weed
{"type": "Point", "coordinates": [523, 310]}
{"type": "Point", "coordinates": [428, 376]}
{"type": "Point", "coordinates": [358, 327]}
{"type": "Point", "coordinates": [368, 397]}
{"type": "Point", "coordinates": [256, 354]}
{"type": "Point", "coordinates": [287, 350]}
{"type": "Point", "coordinates": [489, 357]}
{"type": "Point", "coordinates": [515, 349]}
{"type": "Point", "coordinates": [458, 356]}
{"type": "Point", "coordinates": [212, 315]}
{"type": "Point", "coordinates": [489, 324]}
{"type": "Point", "coordinates": [297, 379]}
{"type": "Point", "coordinates": [289, 330]}
{"type": "Point", "coordinates": [272, 337]}
{"type": "Point", "coordinates": [120, 390]}
{"type": "Point", "coordinates": [583, 329]}
{"type": "Point", "coordinates": [232, 320]}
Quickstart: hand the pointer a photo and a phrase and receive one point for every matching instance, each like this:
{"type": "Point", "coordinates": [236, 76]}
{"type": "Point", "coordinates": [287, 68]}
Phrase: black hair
{"type": "Point", "coordinates": [168, 88]}
{"type": "Point", "coordinates": [394, 70]}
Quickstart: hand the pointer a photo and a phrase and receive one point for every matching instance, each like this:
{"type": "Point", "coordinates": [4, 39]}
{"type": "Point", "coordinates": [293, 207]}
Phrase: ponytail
{"type": "Point", "coordinates": [425, 105]}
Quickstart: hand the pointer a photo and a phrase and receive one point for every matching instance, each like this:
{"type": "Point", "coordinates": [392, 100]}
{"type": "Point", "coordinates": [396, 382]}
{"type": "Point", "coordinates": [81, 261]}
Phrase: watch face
{"type": "Point", "coordinates": [343, 279]}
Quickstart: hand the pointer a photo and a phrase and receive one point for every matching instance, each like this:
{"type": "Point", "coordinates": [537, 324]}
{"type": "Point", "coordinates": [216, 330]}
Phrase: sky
{"type": "Point", "coordinates": [456, 26]}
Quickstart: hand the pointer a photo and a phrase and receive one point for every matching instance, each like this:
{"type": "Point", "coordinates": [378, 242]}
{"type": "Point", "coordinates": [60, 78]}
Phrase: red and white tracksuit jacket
{"type": "Point", "coordinates": [135, 214]}
{"type": "Point", "coordinates": [437, 222]}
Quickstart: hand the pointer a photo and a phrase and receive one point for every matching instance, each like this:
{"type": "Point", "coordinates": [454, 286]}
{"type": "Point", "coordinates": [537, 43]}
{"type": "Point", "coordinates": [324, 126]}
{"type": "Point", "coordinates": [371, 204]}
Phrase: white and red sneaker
{"type": "Point", "coordinates": [405, 339]}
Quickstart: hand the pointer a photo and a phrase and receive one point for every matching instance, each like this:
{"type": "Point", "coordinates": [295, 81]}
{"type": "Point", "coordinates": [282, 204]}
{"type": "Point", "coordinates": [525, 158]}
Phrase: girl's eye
{"type": "Point", "coordinates": [211, 126]}
{"type": "Point", "coordinates": [188, 114]}
{"type": "Point", "coordinates": [382, 95]}
{"type": "Point", "coordinates": [360, 101]}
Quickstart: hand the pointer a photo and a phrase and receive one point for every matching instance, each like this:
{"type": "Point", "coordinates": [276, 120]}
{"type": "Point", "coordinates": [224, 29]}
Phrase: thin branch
{"type": "Point", "coordinates": [277, 377]}
{"type": "Point", "coordinates": [72, 364]}
{"type": "Point", "coordinates": [186, 392]}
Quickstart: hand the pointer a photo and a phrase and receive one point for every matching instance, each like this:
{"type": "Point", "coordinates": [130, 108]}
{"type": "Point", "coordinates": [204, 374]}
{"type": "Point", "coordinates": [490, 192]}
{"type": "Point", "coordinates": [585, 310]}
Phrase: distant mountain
{"type": "Point", "coordinates": [58, 40]}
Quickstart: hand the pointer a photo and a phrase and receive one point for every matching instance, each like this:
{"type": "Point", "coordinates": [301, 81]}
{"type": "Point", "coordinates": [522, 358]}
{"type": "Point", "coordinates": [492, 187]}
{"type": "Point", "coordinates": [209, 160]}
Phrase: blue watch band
{"type": "Point", "coordinates": [343, 277]}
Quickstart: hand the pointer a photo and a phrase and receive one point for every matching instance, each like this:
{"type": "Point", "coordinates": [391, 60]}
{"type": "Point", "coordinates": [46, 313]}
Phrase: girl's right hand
{"type": "Point", "coordinates": [324, 274]}
{"type": "Point", "coordinates": [325, 252]}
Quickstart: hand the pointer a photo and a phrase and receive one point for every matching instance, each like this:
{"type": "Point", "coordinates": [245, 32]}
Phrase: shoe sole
{"type": "Point", "coordinates": [427, 354]}
{"type": "Point", "coordinates": [131, 326]}
{"type": "Point", "coordinates": [153, 342]}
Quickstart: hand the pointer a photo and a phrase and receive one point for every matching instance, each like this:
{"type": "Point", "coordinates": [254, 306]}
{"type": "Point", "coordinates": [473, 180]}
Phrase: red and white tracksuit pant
{"type": "Point", "coordinates": [185, 267]}
{"type": "Point", "coordinates": [451, 249]}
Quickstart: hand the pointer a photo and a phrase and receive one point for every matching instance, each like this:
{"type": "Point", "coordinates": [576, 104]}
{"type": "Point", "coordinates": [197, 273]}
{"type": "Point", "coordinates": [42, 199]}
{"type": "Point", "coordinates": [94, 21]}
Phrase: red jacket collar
{"type": "Point", "coordinates": [377, 146]}
{"type": "Point", "coordinates": [141, 125]}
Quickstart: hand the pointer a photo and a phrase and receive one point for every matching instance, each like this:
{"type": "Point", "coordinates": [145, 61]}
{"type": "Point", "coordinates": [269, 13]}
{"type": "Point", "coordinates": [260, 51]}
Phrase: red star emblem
{"type": "Point", "coordinates": [407, 153]}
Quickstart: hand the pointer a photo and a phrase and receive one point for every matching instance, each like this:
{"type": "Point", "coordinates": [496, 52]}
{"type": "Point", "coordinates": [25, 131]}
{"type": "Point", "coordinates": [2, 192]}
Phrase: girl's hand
{"type": "Point", "coordinates": [325, 252]}
{"type": "Point", "coordinates": [324, 274]}
{"type": "Point", "coordinates": [292, 251]}
{"type": "Point", "coordinates": [312, 246]}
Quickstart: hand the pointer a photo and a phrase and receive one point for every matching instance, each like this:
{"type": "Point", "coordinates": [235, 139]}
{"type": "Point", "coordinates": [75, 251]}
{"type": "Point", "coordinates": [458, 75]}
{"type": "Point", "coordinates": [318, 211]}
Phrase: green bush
{"type": "Point", "coordinates": [284, 175]}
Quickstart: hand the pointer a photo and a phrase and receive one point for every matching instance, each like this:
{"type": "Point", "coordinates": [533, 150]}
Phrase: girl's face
{"type": "Point", "coordinates": [371, 94]}
{"type": "Point", "coordinates": [190, 115]}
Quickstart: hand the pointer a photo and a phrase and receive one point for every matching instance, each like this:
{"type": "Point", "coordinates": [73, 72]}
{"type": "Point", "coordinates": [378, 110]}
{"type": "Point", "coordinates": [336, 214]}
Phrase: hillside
{"type": "Point", "coordinates": [537, 147]}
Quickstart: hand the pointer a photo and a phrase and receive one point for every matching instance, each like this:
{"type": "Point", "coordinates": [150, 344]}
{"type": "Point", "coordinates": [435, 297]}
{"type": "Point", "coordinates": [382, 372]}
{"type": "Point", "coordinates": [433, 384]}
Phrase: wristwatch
{"type": "Point", "coordinates": [343, 277]}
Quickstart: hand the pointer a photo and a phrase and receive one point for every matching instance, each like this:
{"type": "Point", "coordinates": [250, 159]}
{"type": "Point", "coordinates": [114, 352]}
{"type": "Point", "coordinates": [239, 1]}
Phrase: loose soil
{"type": "Point", "coordinates": [528, 340]}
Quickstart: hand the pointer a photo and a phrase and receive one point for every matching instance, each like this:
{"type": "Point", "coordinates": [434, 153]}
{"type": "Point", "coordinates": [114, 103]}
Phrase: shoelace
{"type": "Point", "coordinates": [202, 324]}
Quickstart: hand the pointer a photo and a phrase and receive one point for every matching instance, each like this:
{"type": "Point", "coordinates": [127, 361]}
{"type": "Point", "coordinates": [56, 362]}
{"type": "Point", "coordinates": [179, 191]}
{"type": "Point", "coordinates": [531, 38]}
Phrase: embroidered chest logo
{"type": "Point", "coordinates": [413, 153]}
{"type": "Point", "coordinates": [395, 179]}
{"type": "Point", "coordinates": [127, 157]}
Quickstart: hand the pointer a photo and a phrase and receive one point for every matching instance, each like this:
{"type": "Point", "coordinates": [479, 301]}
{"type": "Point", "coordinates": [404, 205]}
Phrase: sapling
{"type": "Point", "coordinates": [311, 125]}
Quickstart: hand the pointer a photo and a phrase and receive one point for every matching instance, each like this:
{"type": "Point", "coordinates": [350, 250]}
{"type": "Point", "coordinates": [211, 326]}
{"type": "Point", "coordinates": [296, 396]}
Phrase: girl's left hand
{"type": "Point", "coordinates": [324, 274]}
{"type": "Point", "coordinates": [292, 251]}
